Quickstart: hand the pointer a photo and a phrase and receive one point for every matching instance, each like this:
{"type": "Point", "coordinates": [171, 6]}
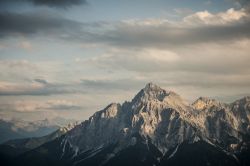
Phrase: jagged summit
{"type": "Point", "coordinates": [151, 92]}
{"type": "Point", "coordinates": [243, 100]}
{"type": "Point", "coordinates": [151, 87]}
{"type": "Point", "coordinates": [205, 102]}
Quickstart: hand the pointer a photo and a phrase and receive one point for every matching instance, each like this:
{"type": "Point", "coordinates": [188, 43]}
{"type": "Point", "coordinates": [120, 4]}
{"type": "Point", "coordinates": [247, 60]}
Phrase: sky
{"type": "Point", "coordinates": [71, 58]}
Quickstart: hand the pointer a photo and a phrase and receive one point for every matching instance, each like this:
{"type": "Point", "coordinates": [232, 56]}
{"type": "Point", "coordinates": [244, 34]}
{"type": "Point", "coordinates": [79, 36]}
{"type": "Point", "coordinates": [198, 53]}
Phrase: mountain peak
{"type": "Point", "coordinates": [245, 101]}
{"type": "Point", "coordinates": [151, 87]}
{"type": "Point", "coordinates": [205, 102]}
{"type": "Point", "coordinates": [151, 92]}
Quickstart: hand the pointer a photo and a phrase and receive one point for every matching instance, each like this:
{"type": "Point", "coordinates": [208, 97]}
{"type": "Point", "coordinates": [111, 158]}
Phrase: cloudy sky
{"type": "Point", "coordinates": [70, 58]}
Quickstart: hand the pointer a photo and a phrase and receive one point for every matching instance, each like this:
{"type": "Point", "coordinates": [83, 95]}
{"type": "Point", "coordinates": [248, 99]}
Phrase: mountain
{"type": "Point", "coordinates": [157, 127]}
{"type": "Point", "coordinates": [17, 128]}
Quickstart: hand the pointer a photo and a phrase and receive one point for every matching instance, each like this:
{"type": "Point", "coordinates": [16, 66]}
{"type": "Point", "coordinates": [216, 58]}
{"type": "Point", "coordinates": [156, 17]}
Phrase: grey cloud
{"type": "Point", "coordinates": [243, 2]}
{"type": "Point", "coordinates": [193, 29]}
{"type": "Point", "coordinates": [59, 105]}
{"type": "Point", "coordinates": [205, 84]}
{"type": "Point", "coordinates": [200, 80]}
{"type": "Point", "coordinates": [32, 23]}
{"type": "Point", "coordinates": [50, 3]}
{"type": "Point", "coordinates": [120, 84]}
{"type": "Point", "coordinates": [167, 36]}
{"type": "Point", "coordinates": [191, 59]}
{"type": "Point", "coordinates": [230, 98]}
{"type": "Point", "coordinates": [37, 92]}
{"type": "Point", "coordinates": [45, 89]}
{"type": "Point", "coordinates": [121, 34]}
{"type": "Point", "coordinates": [210, 82]}
{"type": "Point", "coordinates": [65, 107]}
{"type": "Point", "coordinates": [35, 106]}
{"type": "Point", "coordinates": [42, 81]}
{"type": "Point", "coordinates": [86, 86]}
{"type": "Point", "coordinates": [58, 3]}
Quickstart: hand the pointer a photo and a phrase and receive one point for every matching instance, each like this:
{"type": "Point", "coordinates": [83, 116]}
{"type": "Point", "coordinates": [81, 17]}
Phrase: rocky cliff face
{"type": "Point", "coordinates": [165, 120]}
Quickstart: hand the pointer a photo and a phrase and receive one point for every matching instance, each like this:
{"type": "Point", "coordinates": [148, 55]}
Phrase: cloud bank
{"type": "Point", "coordinates": [203, 53]}
{"type": "Point", "coordinates": [19, 24]}
{"type": "Point", "coordinates": [50, 3]}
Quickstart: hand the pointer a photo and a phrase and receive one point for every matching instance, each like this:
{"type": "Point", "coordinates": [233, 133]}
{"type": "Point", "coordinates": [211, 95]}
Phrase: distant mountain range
{"type": "Point", "coordinates": [156, 128]}
{"type": "Point", "coordinates": [16, 147]}
{"type": "Point", "coordinates": [17, 128]}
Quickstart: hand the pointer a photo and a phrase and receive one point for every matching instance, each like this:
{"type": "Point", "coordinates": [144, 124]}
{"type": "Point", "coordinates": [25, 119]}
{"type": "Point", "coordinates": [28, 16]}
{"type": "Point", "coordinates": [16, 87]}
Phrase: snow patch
{"type": "Point", "coordinates": [173, 152]}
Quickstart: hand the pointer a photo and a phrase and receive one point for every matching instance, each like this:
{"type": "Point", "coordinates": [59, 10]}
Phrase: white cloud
{"type": "Point", "coordinates": [146, 22]}
{"type": "Point", "coordinates": [222, 18]}
{"type": "Point", "coordinates": [17, 87]}
{"type": "Point", "coordinates": [41, 106]}
{"type": "Point", "coordinates": [159, 55]}
{"type": "Point", "coordinates": [230, 16]}
{"type": "Point", "coordinates": [145, 59]}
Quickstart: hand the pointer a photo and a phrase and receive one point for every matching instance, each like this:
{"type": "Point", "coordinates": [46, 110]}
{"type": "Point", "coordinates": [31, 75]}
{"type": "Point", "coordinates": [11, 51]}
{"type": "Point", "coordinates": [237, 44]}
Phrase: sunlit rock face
{"type": "Point", "coordinates": [205, 103]}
